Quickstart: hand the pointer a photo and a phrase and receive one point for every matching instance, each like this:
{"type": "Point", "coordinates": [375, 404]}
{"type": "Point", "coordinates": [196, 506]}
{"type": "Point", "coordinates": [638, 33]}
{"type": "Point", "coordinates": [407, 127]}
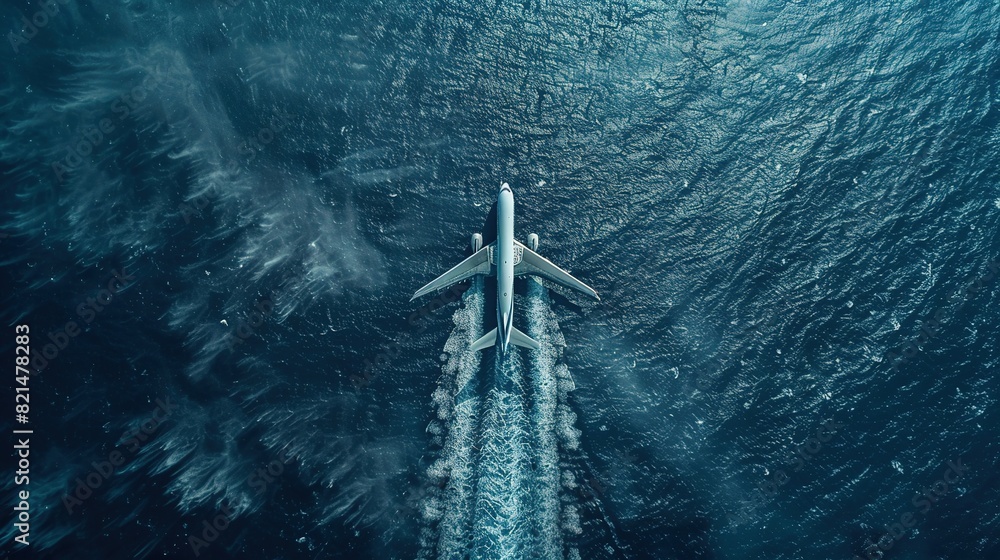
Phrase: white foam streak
{"type": "Point", "coordinates": [503, 519]}
{"type": "Point", "coordinates": [545, 387]}
{"type": "Point", "coordinates": [458, 406]}
{"type": "Point", "coordinates": [499, 467]}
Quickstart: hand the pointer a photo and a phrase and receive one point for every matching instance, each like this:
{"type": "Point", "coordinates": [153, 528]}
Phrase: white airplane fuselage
{"type": "Point", "coordinates": [505, 266]}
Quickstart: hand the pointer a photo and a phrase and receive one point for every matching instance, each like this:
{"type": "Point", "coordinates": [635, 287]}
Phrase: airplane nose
{"type": "Point", "coordinates": [505, 187]}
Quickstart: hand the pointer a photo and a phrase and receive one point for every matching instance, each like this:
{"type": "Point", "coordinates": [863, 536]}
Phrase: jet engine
{"type": "Point", "coordinates": [476, 242]}
{"type": "Point", "coordinates": [533, 241]}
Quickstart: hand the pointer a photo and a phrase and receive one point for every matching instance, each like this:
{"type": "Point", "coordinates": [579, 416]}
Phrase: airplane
{"type": "Point", "coordinates": [504, 257]}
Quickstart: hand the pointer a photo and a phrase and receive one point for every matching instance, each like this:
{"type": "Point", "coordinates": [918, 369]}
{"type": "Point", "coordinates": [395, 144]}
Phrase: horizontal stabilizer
{"type": "Point", "coordinates": [487, 340]}
{"type": "Point", "coordinates": [518, 338]}
{"type": "Point", "coordinates": [478, 263]}
{"type": "Point", "coordinates": [535, 264]}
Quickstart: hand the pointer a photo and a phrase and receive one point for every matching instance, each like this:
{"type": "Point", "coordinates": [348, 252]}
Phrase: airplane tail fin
{"type": "Point", "coordinates": [487, 340]}
{"type": "Point", "coordinates": [520, 339]}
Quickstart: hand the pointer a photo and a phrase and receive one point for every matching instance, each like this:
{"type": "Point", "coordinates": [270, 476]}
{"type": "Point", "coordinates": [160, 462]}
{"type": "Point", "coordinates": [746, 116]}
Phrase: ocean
{"type": "Point", "coordinates": [213, 216]}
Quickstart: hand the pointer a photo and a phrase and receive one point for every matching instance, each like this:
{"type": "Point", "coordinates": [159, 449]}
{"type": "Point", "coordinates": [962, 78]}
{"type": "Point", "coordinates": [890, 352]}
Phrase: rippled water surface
{"type": "Point", "coordinates": [790, 211]}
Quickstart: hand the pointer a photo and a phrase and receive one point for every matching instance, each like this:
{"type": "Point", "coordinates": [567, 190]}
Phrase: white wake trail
{"type": "Point", "coordinates": [458, 404]}
{"type": "Point", "coordinates": [504, 517]}
{"type": "Point", "coordinates": [551, 423]}
{"type": "Point", "coordinates": [496, 487]}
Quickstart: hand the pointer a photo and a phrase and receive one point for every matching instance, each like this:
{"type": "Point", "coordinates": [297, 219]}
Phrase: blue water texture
{"type": "Point", "coordinates": [790, 210]}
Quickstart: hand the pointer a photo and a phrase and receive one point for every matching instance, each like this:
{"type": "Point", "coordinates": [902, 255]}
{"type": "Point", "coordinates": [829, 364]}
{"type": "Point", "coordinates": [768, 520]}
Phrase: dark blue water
{"type": "Point", "coordinates": [790, 210]}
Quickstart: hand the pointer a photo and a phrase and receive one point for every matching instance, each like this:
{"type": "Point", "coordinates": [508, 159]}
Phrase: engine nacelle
{"type": "Point", "coordinates": [476, 242]}
{"type": "Point", "coordinates": [533, 241]}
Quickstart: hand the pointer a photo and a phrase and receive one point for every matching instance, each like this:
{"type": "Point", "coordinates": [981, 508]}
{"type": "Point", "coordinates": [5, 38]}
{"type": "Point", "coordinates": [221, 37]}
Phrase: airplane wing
{"type": "Point", "coordinates": [478, 263]}
{"type": "Point", "coordinates": [533, 263]}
